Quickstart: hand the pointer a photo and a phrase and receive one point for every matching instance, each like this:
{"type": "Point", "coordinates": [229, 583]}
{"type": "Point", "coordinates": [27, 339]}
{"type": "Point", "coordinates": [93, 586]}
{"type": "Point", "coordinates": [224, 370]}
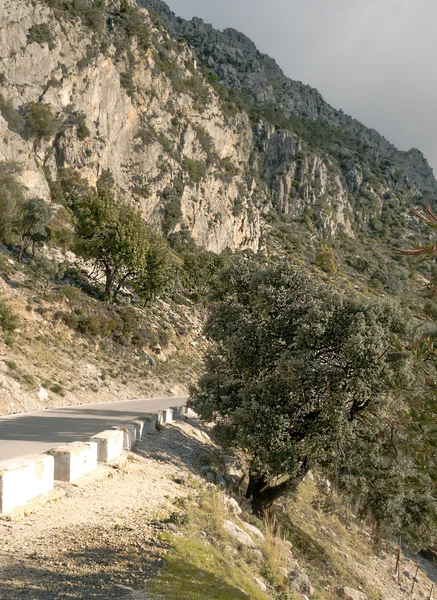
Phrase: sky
{"type": "Point", "coordinates": [375, 59]}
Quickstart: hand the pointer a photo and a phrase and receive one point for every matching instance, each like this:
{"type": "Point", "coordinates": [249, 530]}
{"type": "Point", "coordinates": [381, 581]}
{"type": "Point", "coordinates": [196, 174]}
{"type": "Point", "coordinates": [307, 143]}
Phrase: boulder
{"type": "Point", "coordinates": [260, 583]}
{"type": "Point", "coordinates": [233, 506]}
{"type": "Point", "coordinates": [298, 580]}
{"type": "Point", "coordinates": [238, 534]}
{"type": "Point", "coordinates": [347, 593]}
{"type": "Point", "coordinates": [254, 531]}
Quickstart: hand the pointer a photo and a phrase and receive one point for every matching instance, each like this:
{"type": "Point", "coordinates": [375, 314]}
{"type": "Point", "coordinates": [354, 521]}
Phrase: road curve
{"type": "Point", "coordinates": [36, 432]}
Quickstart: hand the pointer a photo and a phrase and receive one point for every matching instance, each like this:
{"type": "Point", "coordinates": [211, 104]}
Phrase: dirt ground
{"type": "Point", "coordinates": [102, 537]}
{"type": "Point", "coordinates": [98, 538]}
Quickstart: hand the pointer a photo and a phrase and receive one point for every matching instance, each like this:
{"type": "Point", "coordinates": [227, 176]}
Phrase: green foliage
{"type": "Point", "coordinates": [79, 121]}
{"type": "Point", "coordinates": [11, 195]}
{"type": "Point", "coordinates": [43, 271]}
{"type": "Point", "coordinates": [41, 122]}
{"type": "Point", "coordinates": [199, 267]}
{"type": "Point", "coordinates": [41, 34]}
{"type": "Point", "coordinates": [172, 210]}
{"type": "Point", "coordinates": [133, 23]}
{"type": "Point", "coordinates": [91, 12]}
{"type": "Point", "coordinates": [195, 169]}
{"type": "Point", "coordinates": [325, 259]}
{"type": "Point", "coordinates": [293, 371]}
{"type": "Point", "coordinates": [35, 120]}
{"type": "Point", "coordinates": [9, 321]}
{"type": "Point", "coordinates": [30, 223]}
{"type": "Point", "coordinates": [116, 237]}
{"type": "Point", "coordinates": [157, 276]}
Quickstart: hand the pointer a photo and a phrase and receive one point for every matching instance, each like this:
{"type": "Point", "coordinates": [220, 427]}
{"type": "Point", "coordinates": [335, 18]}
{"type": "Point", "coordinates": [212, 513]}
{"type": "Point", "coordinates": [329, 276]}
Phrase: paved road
{"type": "Point", "coordinates": [33, 433]}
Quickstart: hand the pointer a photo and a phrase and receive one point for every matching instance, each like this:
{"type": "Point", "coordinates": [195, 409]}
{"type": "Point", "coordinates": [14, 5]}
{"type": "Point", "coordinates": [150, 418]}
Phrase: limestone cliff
{"type": "Point", "coordinates": [211, 137]}
{"type": "Point", "coordinates": [150, 119]}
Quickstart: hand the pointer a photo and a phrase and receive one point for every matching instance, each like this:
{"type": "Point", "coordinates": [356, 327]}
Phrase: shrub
{"type": "Point", "coordinates": [41, 122]}
{"type": "Point", "coordinates": [43, 271]}
{"type": "Point", "coordinates": [196, 169]}
{"type": "Point", "coordinates": [41, 35]}
{"type": "Point", "coordinates": [9, 321]}
{"type": "Point", "coordinates": [57, 388]}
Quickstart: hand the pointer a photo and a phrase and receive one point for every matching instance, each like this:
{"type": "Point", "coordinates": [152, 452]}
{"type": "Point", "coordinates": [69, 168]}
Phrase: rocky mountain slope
{"type": "Point", "coordinates": [211, 137]}
{"type": "Point", "coordinates": [207, 137]}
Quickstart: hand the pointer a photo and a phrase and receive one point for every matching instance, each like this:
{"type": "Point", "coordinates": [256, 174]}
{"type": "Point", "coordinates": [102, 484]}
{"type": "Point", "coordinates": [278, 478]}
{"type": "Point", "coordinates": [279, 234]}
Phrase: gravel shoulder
{"type": "Point", "coordinates": [99, 538]}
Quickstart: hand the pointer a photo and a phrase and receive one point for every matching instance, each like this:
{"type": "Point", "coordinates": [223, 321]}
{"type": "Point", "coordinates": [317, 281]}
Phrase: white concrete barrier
{"type": "Point", "coordinates": [162, 416]}
{"type": "Point", "coordinates": [74, 460]}
{"type": "Point", "coordinates": [24, 478]}
{"type": "Point", "coordinates": [139, 428]}
{"type": "Point", "coordinates": [178, 411]}
{"type": "Point", "coordinates": [129, 434]}
{"type": "Point", "coordinates": [169, 415]}
{"type": "Point", "coordinates": [150, 424]}
{"type": "Point", "coordinates": [109, 444]}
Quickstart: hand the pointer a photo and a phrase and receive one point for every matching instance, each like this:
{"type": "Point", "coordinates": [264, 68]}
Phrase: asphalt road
{"type": "Point", "coordinates": [33, 433]}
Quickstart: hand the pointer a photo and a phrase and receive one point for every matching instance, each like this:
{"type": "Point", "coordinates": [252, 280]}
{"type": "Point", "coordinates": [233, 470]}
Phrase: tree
{"type": "Point", "coordinates": [117, 239]}
{"type": "Point", "coordinates": [158, 271]}
{"type": "Point", "coordinates": [11, 194]}
{"type": "Point", "coordinates": [30, 223]}
{"type": "Point", "coordinates": [41, 122]}
{"type": "Point", "coordinates": [421, 420]}
{"type": "Point", "coordinates": [43, 271]}
{"type": "Point", "coordinates": [294, 369]}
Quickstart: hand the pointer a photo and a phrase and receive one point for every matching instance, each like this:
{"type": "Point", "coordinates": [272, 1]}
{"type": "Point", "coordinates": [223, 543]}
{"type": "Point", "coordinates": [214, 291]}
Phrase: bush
{"type": "Point", "coordinates": [9, 321]}
{"type": "Point", "coordinates": [41, 35]}
{"type": "Point", "coordinates": [43, 271]}
{"type": "Point", "coordinates": [196, 169]}
{"type": "Point", "coordinates": [41, 122]}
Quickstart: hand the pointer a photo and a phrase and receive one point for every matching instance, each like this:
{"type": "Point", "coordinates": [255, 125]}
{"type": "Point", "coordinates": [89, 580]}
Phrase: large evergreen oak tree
{"type": "Point", "coordinates": [293, 370]}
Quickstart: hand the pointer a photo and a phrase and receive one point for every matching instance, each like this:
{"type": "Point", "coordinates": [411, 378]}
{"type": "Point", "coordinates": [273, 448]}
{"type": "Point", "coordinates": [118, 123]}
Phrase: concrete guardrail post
{"type": "Point", "coordinates": [129, 435]}
{"type": "Point", "coordinates": [109, 444]}
{"type": "Point", "coordinates": [74, 460]}
{"type": "Point", "coordinates": [24, 478]}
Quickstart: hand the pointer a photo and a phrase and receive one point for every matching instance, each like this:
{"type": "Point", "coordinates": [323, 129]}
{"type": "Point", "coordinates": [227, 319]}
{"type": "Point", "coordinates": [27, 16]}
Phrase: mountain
{"type": "Point", "coordinates": [203, 133]}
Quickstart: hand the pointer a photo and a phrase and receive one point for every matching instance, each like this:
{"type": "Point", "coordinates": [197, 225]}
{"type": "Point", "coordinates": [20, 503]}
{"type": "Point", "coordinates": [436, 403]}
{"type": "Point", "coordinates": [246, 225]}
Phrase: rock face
{"type": "Point", "coordinates": [344, 178]}
{"type": "Point", "coordinates": [134, 99]}
{"type": "Point", "coordinates": [172, 151]}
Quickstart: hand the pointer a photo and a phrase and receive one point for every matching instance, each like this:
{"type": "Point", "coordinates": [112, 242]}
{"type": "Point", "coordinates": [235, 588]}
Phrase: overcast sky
{"type": "Point", "coordinates": [375, 59]}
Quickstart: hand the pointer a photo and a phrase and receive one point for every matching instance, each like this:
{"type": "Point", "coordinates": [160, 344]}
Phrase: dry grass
{"type": "Point", "coordinates": [276, 549]}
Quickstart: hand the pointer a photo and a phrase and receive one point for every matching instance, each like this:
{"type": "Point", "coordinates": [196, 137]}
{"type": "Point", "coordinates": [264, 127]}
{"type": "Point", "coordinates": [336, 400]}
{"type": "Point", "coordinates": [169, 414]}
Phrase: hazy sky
{"type": "Point", "coordinates": [375, 59]}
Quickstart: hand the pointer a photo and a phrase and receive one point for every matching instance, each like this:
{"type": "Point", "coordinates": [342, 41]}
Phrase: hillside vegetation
{"type": "Point", "coordinates": [158, 176]}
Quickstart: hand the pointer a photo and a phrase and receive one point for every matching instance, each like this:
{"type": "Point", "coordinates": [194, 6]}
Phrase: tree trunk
{"type": "Point", "coordinates": [262, 495]}
{"type": "Point", "coordinates": [109, 281]}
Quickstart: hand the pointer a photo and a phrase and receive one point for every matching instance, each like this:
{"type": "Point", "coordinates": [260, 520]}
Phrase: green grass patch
{"type": "Point", "coordinates": [195, 570]}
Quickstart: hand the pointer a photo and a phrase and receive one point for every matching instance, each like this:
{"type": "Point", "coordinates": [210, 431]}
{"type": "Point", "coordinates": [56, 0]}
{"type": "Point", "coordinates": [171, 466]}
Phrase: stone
{"type": "Point", "coordinates": [298, 580]}
{"type": "Point", "coordinates": [260, 583]}
{"type": "Point", "coordinates": [109, 444]}
{"type": "Point", "coordinates": [74, 460]}
{"type": "Point", "coordinates": [233, 506]}
{"type": "Point", "coordinates": [254, 531]}
{"type": "Point", "coordinates": [347, 593]}
{"type": "Point", "coordinates": [24, 478]}
{"type": "Point", "coordinates": [239, 534]}
{"type": "Point", "coordinates": [43, 394]}
{"type": "Point", "coordinates": [129, 435]}
{"type": "Point", "coordinates": [221, 482]}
